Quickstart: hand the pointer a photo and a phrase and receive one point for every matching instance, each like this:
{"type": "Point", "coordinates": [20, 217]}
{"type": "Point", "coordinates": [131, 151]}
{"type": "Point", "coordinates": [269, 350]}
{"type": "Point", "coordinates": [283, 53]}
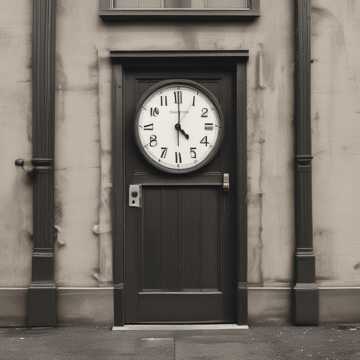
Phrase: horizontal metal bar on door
{"type": "Point", "coordinates": [181, 184]}
{"type": "Point", "coordinates": [179, 293]}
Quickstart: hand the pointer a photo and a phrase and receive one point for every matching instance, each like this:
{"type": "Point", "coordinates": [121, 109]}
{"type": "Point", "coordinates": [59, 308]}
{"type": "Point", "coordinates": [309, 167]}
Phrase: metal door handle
{"type": "Point", "coordinates": [135, 190]}
{"type": "Point", "coordinates": [226, 182]}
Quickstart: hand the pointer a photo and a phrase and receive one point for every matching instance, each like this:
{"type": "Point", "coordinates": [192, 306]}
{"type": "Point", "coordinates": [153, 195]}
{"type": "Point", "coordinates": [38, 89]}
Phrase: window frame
{"type": "Point", "coordinates": [108, 13]}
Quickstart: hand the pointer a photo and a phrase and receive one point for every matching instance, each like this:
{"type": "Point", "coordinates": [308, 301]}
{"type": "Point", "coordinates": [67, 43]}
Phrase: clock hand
{"type": "Point", "coordinates": [187, 137]}
{"type": "Point", "coordinates": [177, 126]}
{"type": "Point", "coordinates": [180, 129]}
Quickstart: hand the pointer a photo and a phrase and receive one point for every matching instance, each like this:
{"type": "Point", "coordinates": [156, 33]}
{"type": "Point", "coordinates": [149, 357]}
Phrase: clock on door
{"type": "Point", "coordinates": [179, 126]}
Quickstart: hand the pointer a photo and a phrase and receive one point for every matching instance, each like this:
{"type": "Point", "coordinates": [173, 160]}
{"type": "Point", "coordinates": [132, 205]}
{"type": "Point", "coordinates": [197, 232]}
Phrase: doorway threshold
{"type": "Point", "coordinates": [176, 327]}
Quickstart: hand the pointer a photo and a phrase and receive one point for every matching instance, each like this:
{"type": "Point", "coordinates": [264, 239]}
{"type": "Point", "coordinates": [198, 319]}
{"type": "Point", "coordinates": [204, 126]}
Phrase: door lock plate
{"type": "Point", "coordinates": [135, 195]}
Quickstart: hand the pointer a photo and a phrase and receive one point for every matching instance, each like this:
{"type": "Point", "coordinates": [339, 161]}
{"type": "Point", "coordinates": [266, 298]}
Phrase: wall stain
{"type": "Point", "coordinates": [61, 77]}
{"type": "Point", "coordinates": [256, 231]}
{"type": "Point", "coordinates": [320, 15]}
{"type": "Point", "coordinates": [257, 143]}
{"type": "Point", "coordinates": [255, 115]}
{"type": "Point", "coordinates": [317, 117]}
{"type": "Point", "coordinates": [266, 68]}
{"type": "Point", "coordinates": [352, 7]}
{"type": "Point", "coordinates": [94, 67]}
{"type": "Point", "coordinates": [29, 124]}
{"type": "Point", "coordinates": [324, 278]}
{"type": "Point", "coordinates": [105, 152]}
{"type": "Point", "coordinates": [5, 39]}
{"type": "Point", "coordinates": [22, 202]}
{"type": "Point", "coordinates": [322, 233]}
{"type": "Point", "coordinates": [261, 207]}
{"type": "Point", "coordinates": [337, 36]}
{"type": "Point", "coordinates": [94, 71]}
{"type": "Point", "coordinates": [81, 88]}
{"type": "Point", "coordinates": [190, 38]}
{"type": "Point", "coordinates": [357, 266]}
{"type": "Point", "coordinates": [61, 9]}
{"type": "Point", "coordinates": [257, 146]}
{"type": "Point", "coordinates": [62, 82]}
{"type": "Point", "coordinates": [60, 183]}
{"type": "Point", "coordinates": [58, 209]}
{"type": "Point", "coordinates": [324, 237]}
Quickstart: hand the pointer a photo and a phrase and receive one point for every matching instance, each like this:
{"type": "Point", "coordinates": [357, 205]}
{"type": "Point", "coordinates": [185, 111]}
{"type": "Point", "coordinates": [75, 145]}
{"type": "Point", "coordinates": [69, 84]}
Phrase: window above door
{"type": "Point", "coordinates": [113, 10]}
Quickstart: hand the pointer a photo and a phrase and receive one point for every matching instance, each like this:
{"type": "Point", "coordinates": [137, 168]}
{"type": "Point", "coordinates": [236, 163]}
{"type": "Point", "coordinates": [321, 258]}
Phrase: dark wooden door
{"type": "Point", "coordinates": [180, 246]}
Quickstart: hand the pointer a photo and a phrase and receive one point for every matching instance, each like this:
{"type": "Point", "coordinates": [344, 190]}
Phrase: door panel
{"type": "Point", "coordinates": [180, 245]}
{"type": "Point", "coordinates": [181, 242]}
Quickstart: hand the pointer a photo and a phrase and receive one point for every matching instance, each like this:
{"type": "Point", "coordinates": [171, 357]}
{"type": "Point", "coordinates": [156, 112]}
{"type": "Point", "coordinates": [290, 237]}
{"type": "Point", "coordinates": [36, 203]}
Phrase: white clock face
{"type": "Point", "coordinates": [179, 127]}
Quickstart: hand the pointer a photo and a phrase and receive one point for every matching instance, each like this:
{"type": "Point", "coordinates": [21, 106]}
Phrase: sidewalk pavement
{"type": "Point", "coordinates": [257, 343]}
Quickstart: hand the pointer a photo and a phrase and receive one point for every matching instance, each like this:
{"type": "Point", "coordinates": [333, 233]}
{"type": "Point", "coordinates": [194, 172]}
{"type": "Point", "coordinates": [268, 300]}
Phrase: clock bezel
{"type": "Point", "coordinates": [180, 82]}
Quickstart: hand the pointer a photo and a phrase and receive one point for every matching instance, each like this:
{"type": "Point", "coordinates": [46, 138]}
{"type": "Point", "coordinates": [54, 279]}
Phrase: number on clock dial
{"type": "Point", "coordinates": [184, 126]}
{"type": "Point", "coordinates": [178, 97]}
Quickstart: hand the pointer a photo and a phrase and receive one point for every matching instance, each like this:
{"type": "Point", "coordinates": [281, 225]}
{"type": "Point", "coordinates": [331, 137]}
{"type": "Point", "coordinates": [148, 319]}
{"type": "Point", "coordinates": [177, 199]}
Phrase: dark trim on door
{"type": "Point", "coordinates": [241, 192]}
{"type": "Point", "coordinates": [120, 59]}
{"type": "Point", "coordinates": [119, 194]}
{"type": "Point", "coordinates": [41, 298]}
{"type": "Point", "coordinates": [305, 290]}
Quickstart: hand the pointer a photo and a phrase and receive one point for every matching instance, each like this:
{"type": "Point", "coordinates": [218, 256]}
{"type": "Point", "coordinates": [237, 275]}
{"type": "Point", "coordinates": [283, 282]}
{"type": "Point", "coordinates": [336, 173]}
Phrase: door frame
{"type": "Point", "coordinates": [236, 60]}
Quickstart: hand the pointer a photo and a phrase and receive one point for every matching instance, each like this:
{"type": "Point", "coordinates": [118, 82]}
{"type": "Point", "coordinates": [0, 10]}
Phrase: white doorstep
{"type": "Point", "coordinates": [180, 327]}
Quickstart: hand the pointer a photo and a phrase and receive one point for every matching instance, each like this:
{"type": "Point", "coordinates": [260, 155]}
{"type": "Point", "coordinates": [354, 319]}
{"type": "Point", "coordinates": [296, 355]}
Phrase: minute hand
{"type": "Point", "coordinates": [178, 126]}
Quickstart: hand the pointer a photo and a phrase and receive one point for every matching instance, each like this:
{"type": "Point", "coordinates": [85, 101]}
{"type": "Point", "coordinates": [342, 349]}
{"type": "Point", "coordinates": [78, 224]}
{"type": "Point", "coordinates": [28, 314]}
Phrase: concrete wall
{"type": "Point", "coordinates": [336, 130]}
{"type": "Point", "coordinates": [336, 147]}
{"type": "Point", "coordinates": [83, 93]}
{"type": "Point", "coordinates": [83, 150]}
{"type": "Point", "coordinates": [15, 142]}
{"type": "Point", "coordinates": [81, 53]}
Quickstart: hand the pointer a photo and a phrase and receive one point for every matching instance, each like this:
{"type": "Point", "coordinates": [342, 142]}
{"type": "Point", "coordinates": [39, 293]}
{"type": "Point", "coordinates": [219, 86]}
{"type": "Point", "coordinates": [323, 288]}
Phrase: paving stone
{"type": "Point", "coordinates": [258, 343]}
{"type": "Point", "coordinates": [155, 348]}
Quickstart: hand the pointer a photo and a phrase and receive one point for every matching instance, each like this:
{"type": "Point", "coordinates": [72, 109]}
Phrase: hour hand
{"type": "Point", "coordinates": [180, 129]}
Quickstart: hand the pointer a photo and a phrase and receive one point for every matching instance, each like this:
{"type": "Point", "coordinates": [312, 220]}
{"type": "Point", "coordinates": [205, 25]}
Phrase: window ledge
{"type": "Point", "coordinates": [178, 14]}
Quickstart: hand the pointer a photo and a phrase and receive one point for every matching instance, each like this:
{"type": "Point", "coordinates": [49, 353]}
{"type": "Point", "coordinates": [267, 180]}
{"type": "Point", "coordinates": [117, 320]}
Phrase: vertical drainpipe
{"type": "Point", "coordinates": [305, 291]}
{"type": "Point", "coordinates": [41, 298]}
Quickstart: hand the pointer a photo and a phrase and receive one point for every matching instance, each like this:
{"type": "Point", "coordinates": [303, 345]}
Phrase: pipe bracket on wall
{"type": "Point", "coordinates": [226, 182]}
{"type": "Point", "coordinates": [57, 232]}
{"type": "Point", "coordinates": [31, 167]}
{"type": "Point", "coordinates": [99, 229]}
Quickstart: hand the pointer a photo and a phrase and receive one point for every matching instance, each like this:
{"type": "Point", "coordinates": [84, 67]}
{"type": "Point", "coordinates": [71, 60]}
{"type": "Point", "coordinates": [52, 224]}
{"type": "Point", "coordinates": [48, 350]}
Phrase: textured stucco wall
{"type": "Point", "coordinates": [83, 151]}
{"type": "Point", "coordinates": [336, 140]}
{"type": "Point", "coordinates": [15, 142]}
{"type": "Point", "coordinates": [82, 71]}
